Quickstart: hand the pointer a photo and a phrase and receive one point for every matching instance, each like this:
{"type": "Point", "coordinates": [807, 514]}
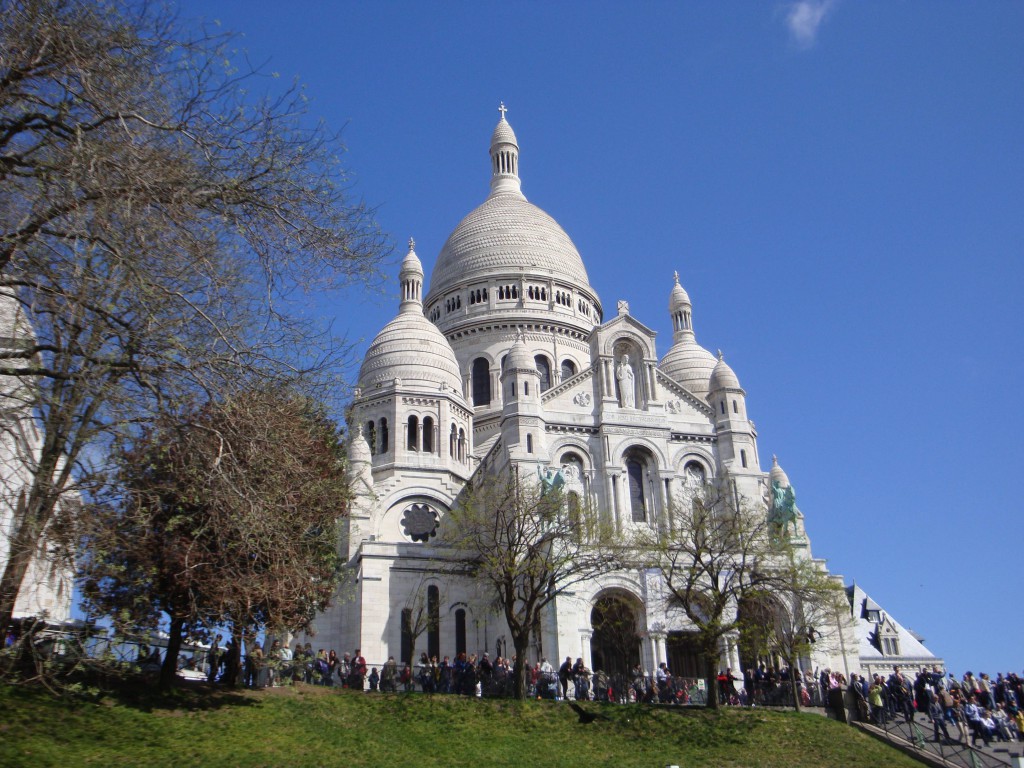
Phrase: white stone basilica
{"type": "Point", "coordinates": [510, 360]}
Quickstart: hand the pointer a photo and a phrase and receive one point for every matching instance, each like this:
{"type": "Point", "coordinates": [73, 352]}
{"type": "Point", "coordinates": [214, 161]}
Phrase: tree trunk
{"type": "Point", "coordinates": [520, 671]}
{"type": "Point", "coordinates": [233, 662]}
{"type": "Point", "coordinates": [28, 523]}
{"type": "Point", "coordinates": [794, 684]}
{"type": "Point", "coordinates": [169, 669]}
{"type": "Point", "coordinates": [711, 677]}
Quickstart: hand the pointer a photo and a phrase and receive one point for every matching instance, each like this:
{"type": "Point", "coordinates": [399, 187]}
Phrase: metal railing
{"type": "Point", "coordinates": [919, 734]}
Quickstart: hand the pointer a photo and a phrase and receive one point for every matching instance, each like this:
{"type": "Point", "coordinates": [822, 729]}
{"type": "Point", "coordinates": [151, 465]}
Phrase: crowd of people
{"type": "Point", "coordinates": [964, 711]}
{"type": "Point", "coordinates": [967, 710]}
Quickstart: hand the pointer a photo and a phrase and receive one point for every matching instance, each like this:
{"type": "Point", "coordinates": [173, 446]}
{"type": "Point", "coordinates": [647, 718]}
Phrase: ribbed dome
{"type": "Point", "coordinates": [519, 357]}
{"type": "Point", "coordinates": [691, 365]}
{"type": "Point", "coordinates": [358, 448]}
{"type": "Point", "coordinates": [412, 349]}
{"type": "Point", "coordinates": [507, 234]}
{"type": "Point", "coordinates": [722, 377]}
{"type": "Point", "coordinates": [777, 474]}
{"type": "Point", "coordinates": [503, 134]}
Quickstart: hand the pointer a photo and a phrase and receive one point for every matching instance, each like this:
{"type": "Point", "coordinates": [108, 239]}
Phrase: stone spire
{"type": "Point", "coordinates": [504, 158]}
{"type": "Point", "coordinates": [411, 277]}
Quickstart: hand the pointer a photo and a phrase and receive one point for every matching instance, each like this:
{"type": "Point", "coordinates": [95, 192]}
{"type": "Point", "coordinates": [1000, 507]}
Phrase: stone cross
{"type": "Point", "coordinates": [502, 108]}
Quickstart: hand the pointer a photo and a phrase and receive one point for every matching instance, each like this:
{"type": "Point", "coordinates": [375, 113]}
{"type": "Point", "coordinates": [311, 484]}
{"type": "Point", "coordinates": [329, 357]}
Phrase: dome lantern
{"type": "Point", "coordinates": [411, 277]}
{"type": "Point", "coordinates": [504, 158]}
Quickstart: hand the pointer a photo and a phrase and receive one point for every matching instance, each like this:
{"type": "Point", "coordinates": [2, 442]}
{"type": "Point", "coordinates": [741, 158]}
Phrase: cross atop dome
{"type": "Point", "coordinates": [502, 108]}
{"type": "Point", "coordinates": [412, 245]}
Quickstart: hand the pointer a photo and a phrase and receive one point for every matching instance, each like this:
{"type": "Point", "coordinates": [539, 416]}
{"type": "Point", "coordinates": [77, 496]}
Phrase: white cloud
{"type": "Point", "coordinates": [804, 18]}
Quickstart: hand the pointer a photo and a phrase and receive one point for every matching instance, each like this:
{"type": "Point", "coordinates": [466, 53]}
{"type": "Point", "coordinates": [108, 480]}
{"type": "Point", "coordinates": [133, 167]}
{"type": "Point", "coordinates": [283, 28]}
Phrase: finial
{"type": "Point", "coordinates": [676, 276]}
{"type": "Point", "coordinates": [359, 430]}
{"type": "Point", "coordinates": [775, 460]}
{"type": "Point", "coordinates": [719, 354]}
{"type": "Point", "coordinates": [502, 108]}
{"type": "Point", "coordinates": [519, 336]}
{"type": "Point", "coordinates": [412, 245]}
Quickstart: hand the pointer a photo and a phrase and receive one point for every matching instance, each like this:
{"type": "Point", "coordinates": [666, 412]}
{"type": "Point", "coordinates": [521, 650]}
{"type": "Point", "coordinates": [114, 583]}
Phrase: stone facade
{"type": "Point", "coordinates": [509, 360]}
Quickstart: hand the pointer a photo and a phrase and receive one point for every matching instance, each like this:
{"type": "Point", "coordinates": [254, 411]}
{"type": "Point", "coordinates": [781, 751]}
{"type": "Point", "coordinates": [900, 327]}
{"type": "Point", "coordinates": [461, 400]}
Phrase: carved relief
{"type": "Point", "coordinates": [582, 399]}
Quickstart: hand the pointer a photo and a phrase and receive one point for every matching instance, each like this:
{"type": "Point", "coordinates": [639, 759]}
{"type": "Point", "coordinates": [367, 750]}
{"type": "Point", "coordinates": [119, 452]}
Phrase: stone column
{"type": "Point", "coordinates": [585, 637]}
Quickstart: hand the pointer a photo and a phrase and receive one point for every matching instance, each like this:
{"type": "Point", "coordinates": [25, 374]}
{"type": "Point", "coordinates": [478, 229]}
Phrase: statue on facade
{"type": "Point", "coordinates": [624, 374]}
{"type": "Point", "coordinates": [550, 480]}
{"type": "Point", "coordinates": [783, 508]}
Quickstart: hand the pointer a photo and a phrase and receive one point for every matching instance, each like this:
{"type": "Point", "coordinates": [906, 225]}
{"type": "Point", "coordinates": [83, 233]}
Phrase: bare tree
{"type": "Point", "coordinates": [716, 553]}
{"type": "Point", "coordinates": [800, 614]}
{"type": "Point", "coordinates": [519, 538]}
{"type": "Point", "coordinates": [229, 516]}
{"type": "Point", "coordinates": [158, 224]}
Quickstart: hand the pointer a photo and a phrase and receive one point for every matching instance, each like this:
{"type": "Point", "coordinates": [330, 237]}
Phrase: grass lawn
{"type": "Point", "coordinates": [307, 726]}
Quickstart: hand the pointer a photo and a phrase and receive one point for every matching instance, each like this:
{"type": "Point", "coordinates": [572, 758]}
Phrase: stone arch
{"type": "Point", "coordinates": [617, 621]}
{"type": "Point", "coordinates": [761, 619]}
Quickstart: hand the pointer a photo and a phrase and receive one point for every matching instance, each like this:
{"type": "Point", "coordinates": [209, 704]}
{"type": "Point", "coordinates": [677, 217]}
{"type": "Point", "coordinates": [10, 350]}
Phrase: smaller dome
{"type": "Point", "coordinates": [503, 134]}
{"type": "Point", "coordinates": [358, 448]}
{"type": "Point", "coordinates": [410, 348]}
{"type": "Point", "coordinates": [722, 377]}
{"type": "Point", "coordinates": [519, 358]}
{"type": "Point", "coordinates": [688, 363]}
{"type": "Point", "coordinates": [679, 298]}
{"type": "Point", "coordinates": [777, 474]}
{"type": "Point", "coordinates": [411, 263]}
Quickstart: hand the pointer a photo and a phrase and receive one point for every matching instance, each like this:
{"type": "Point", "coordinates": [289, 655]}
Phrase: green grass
{"type": "Point", "coordinates": [321, 727]}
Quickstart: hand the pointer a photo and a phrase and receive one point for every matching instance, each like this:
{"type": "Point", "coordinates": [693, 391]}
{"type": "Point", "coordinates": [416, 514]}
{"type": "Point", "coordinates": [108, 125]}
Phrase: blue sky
{"type": "Point", "coordinates": [839, 184]}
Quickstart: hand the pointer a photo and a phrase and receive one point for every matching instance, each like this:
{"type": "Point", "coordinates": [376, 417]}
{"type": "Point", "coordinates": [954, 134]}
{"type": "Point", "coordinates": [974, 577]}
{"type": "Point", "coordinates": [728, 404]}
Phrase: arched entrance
{"type": "Point", "coordinates": [615, 644]}
{"type": "Point", "coordinates": [762, 620]}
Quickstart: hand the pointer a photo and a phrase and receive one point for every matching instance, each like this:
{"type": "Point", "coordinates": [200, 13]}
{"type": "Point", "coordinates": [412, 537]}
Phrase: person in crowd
{"type": "Point", "coordinates": [389, 676]}
{"type": "Point", "coordinates": [374, 680]}
{"type": "Point", "coordinates": [564, 674]}
{"type": "Point", "coordinates": [357, 671]}
{"type": "Point", "coordinates": [876, 698]}
{"type": "Point", "coordinates": [581, 680]}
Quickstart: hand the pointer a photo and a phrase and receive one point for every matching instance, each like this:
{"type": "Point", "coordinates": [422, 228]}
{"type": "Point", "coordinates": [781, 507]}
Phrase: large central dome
{"type": "Point", "coordinates": [507, 234]}
{"type": "Point", "coordinates": [508, 238]}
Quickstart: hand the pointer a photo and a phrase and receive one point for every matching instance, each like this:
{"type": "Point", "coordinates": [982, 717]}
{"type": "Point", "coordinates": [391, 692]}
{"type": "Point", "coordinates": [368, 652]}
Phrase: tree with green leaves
{"type": "Point", "coordinates": [165, 209]}
{"type": "Point", "coordinates": [227, 516]}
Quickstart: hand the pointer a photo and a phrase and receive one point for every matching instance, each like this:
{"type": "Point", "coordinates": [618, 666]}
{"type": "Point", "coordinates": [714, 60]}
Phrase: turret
{"type": "Point", "coordinates": [737, 440]}
{"type": "Point", "coordinates": [521, 415]}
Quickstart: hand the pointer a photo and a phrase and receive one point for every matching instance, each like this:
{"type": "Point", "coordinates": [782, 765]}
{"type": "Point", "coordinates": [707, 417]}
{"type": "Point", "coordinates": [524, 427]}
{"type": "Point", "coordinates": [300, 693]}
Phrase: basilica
{"type": "Point", "coordinates": [508, 357]}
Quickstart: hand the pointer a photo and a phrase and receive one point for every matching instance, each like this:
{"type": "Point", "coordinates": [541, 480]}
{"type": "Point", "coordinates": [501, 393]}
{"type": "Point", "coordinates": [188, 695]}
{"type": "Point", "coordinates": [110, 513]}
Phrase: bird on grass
{"type": "Point", "coordinates": [586, 717]}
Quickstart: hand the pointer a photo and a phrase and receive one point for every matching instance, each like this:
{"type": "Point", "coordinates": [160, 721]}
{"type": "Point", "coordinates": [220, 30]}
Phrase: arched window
{"type": "Point", "coordinates": [462, 445]}
{"type": "Point", "coordinates": [743, 458]}
{"type": "Point", "coordinates": [635, 474]}
{"type": "Point", "coordinates": [544, 369]}
{"type": "Point", "coordinates": [433, 621]}
{"type": "Point", "coordinates": [412, 437]}
{"type": "Point", "coordinates": [460, 631]}
{"type": "Point", "coordinates": [481, 375]}
{"type": "Point", "coordinates": [568, 369]}
{"type": "Point", "coordinates": [383, 435]}
{"type": "Point", "coordinates": [371, 437]}
{"type": "Point", "coordinates": [453, 440]}
{"type": "Point", "coordinates": [735, 408]}
{"type": "Point", "coordinates": [529, 443]}
{"type": "Point", "coordinates": [428, 434]}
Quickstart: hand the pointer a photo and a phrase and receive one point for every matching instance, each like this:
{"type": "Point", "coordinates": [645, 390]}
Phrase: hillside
{"type": "Point", "coordinates": [321, 727]}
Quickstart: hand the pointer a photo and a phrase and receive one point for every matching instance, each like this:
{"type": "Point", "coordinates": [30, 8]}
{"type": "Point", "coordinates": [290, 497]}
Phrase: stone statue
{"type": "Point", "coordinates": [783, 511]}
{"type": "Point", "coordinates": [624, 373]}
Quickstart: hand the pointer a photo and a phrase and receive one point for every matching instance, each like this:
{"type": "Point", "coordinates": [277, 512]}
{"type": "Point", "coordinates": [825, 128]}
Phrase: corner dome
{"type": "Point", "coordinates": [778, 474]}
{"type": "Point", "coordinates": [722, 377]}
{"type": "Point", "coordinates": [519, 357]}
{"type": "Point", "coordinates": [410, 348]}
{"type": "Point", "coordinates": [688, 363]}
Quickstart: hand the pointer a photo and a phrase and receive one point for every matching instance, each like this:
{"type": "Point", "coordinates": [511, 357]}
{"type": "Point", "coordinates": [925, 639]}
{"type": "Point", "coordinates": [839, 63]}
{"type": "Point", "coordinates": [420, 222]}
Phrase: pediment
{"type": "Point", "coordinates": [689, 403]}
